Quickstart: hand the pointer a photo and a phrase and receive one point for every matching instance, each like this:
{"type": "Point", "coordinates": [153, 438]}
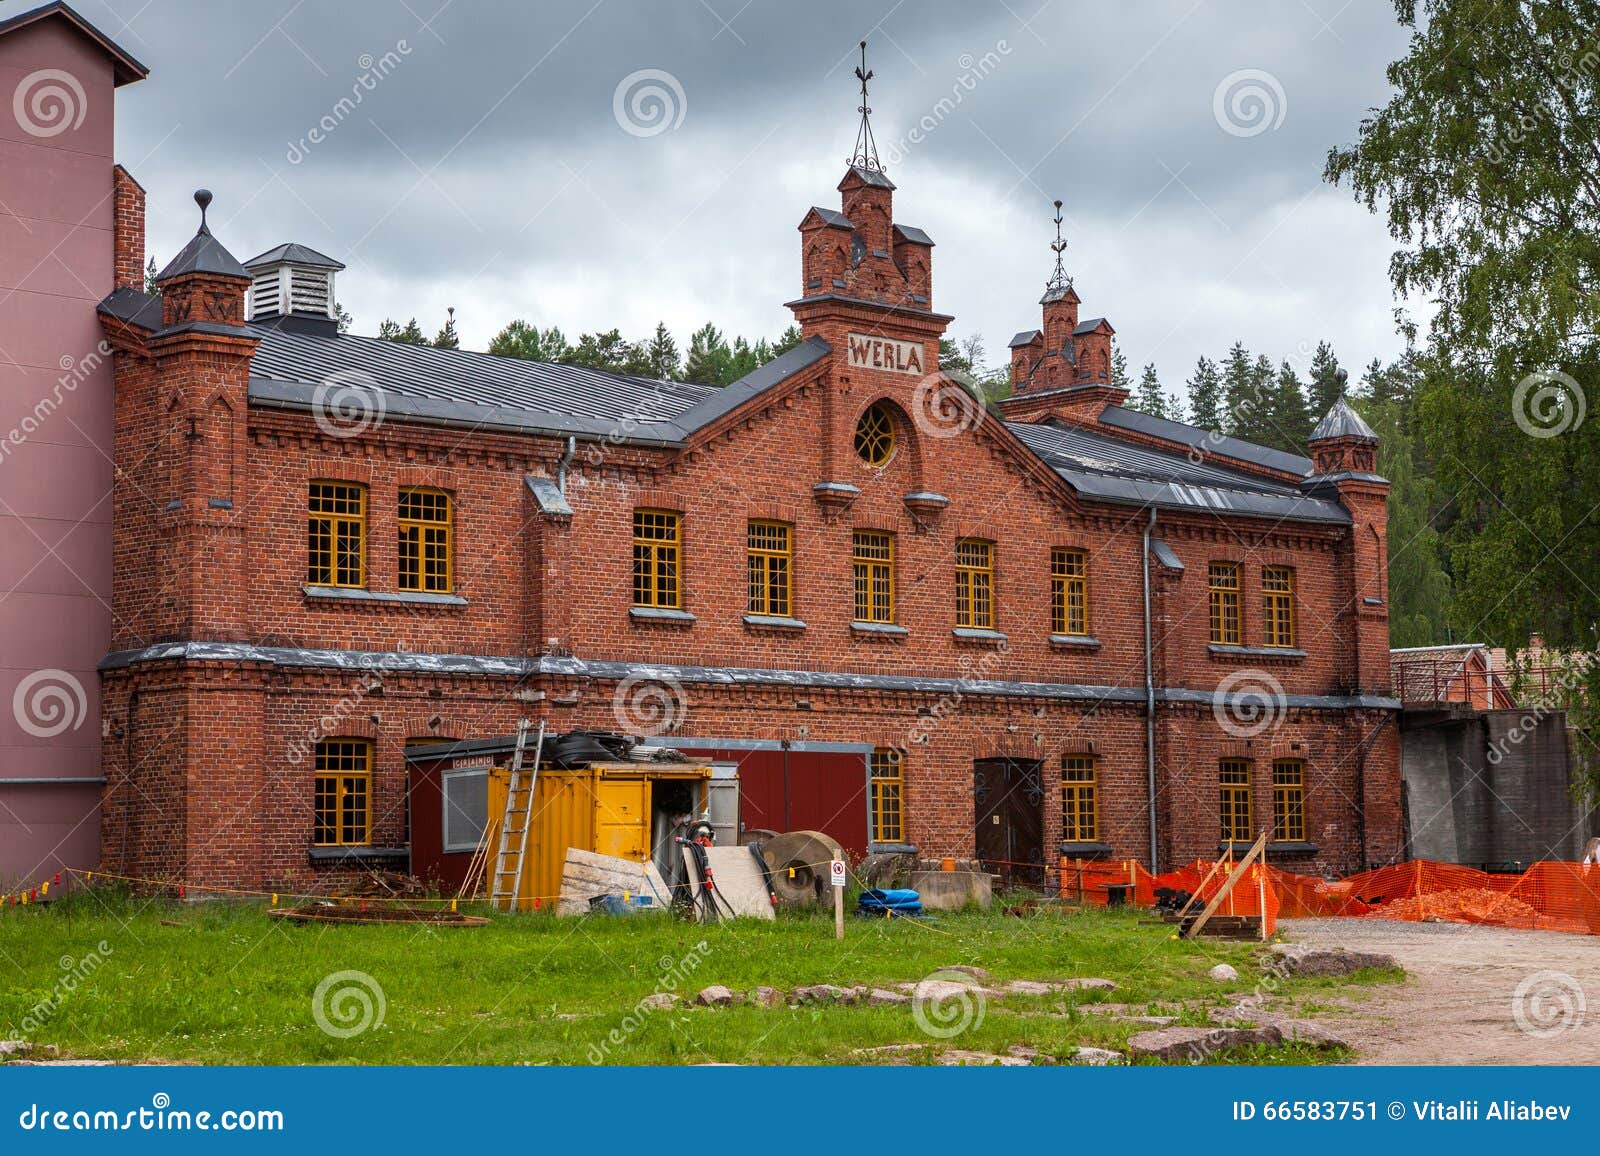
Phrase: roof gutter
{"type": "Point", "coordinates": [1149, 697]}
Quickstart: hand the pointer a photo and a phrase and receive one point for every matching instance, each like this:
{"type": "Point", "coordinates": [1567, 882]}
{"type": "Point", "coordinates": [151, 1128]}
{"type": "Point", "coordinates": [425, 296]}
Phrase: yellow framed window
{"type": "Point", "coordinates": [975, 584]}
{"type": "Point", "coordinates": [336, 534]}
{"type": "Point", "coordinates": [343, 809]}
{"type": "Point", "coordinates": [1234, 775]}
{"type": "Point", "coordinates": [874, 436]}
{"type": "Point", "coordinates": [1080, 799]}
{"type": "Point", "coordinates": [873, 554]}
{"type": "Point", "coordinates": [1289, 801]}
{"type": "Point", "coordinates": [657, 559]}
{"type": "Point", "coordinates": [1277, 606]}
{"type": "Point", "coordinates": [770, 549]}
{"type": "Point", "coordinates": [424, 550]}
{"type": "Point", "coordinates": [1224, 584]}
{"type": "Point", "coordinates": [888, 795]}
{"type": "Point", "coordinates": [1069, 591]}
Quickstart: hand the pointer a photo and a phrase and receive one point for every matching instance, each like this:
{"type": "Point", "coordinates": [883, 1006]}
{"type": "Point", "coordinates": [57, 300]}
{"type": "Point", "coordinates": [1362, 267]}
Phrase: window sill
{"type": "Point", "coordinates": [1282, 653]}
{"type": "Point", "coordinates": [1296, 848]}
{"type": "Point", "coordinates": [879, 629]}
{"type": "Point", "coordinates": [772, 622]}
{"type": "Point", "coordinates": [1086, 850]}
{"type": "Point", "coordinates": [337, 855]}
{"type": "Point", "coordinates": [356, 594]}
{"type": "Point", "coordinates": [1075, 641]}
{"type": "Point", "coordinates": [975, 634]}
{"type": "Point", "coordinates": [661, 614]}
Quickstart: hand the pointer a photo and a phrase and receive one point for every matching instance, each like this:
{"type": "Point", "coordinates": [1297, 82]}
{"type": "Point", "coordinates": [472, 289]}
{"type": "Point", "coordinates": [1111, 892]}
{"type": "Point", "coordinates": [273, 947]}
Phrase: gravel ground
{"type": "Point", "coordinates": [1473, 995]}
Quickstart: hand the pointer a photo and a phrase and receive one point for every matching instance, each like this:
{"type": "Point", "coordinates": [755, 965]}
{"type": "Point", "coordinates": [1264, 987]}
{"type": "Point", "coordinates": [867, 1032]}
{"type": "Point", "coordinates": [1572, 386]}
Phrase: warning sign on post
{"type": "Point", "coordinates": [836, 870]}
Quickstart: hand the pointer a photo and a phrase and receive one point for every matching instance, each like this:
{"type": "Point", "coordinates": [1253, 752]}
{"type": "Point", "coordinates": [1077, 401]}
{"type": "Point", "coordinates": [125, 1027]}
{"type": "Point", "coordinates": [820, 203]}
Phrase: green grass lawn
{"type": "Point", "coordinates": [225, 984]}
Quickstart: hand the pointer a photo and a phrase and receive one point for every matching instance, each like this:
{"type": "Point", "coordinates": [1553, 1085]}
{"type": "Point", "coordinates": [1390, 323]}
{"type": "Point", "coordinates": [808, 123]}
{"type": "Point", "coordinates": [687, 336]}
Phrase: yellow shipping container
{"type": "Point", "coordinates": [607, 808]}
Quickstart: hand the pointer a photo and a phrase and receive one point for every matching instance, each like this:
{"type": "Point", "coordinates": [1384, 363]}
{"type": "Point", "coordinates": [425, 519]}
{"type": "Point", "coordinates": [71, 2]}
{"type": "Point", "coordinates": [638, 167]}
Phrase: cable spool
{"type": "Point", "coordinates": [799, 862]}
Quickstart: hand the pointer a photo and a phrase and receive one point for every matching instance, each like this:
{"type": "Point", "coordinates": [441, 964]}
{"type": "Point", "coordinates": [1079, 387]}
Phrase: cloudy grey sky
{"type": "Point", "coordinates": [487, 168]}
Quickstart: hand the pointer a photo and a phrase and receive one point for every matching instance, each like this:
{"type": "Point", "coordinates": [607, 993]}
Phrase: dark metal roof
{"type": "Point", "coordinates": [1205, 441]}
{"type": "Point", "coordinates": [124, 68]}
{"type": "Point", "coordinates": [203, 254]}
{"type": "Point", "coordinates": [497, 666]}
{"type": "Point", "coordinates": [913, 234]}
{"type": "Point", "coordinates": [875, 177]}
{"type": "Point", "coordinates": [1090, 326]}
{"type": "Point", "coordinates": [1342, 422]}
{"type": "Point", "coordinates": [1118, 471]}
{"type": "Point", "coordinates": [830, 217]}
{"type": "Point", "coordinates": [134, 307]}
{"type": "Point", "coordinates": [1026, 337]}
{"type": "Point", "coordinates": [295, 254]}
{"type": "Point", "coordinates": [461, 376]}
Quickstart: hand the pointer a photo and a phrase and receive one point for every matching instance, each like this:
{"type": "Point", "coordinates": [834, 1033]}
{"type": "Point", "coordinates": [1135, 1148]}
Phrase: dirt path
{"type": "Point", "coordinates": [1460, 1004]}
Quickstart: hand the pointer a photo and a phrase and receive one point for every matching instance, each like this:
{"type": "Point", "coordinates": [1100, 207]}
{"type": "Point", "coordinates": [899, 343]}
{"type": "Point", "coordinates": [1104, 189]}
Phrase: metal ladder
{"type": "Point", "coordinates": [505, 885]}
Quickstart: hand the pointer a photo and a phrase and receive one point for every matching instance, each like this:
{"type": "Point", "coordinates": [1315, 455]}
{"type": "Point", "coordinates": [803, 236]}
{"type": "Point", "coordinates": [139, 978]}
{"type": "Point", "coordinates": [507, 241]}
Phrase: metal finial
{"type": "Point", "coordinates": [866, 152]}
{"type": "Point", "coordinates": [1341, 375]}
{"type": "Point", "coordinates": [1059, 281]}
{"type": "Point", "coordinates": [202, 197]}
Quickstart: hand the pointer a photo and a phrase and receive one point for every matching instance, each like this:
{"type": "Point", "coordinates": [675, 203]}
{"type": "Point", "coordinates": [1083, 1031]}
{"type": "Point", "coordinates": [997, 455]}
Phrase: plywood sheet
{"type": "Point", "coordinates": [586, 874]}
{"type": "Point", "coordinates": [738, 881]}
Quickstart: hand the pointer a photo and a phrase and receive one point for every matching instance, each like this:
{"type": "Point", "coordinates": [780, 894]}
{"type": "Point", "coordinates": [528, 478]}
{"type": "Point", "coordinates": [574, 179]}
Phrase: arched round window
{"type": "Point", "coordinates": [875, 435]}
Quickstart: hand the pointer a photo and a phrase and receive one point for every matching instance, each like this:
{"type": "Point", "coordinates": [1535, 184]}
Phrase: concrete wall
{"type": "Point", "coordinates": [56, 209]}
{"type": "Point", "coordinates": [1490, 788]}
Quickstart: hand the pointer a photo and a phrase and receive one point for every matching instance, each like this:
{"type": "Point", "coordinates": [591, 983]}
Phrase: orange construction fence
{"type": "Point", "coordinates": [1547, 897]}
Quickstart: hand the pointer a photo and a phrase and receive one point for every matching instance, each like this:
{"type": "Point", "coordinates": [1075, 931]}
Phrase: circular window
{"type": "Point", "coordinates": [875, 436]}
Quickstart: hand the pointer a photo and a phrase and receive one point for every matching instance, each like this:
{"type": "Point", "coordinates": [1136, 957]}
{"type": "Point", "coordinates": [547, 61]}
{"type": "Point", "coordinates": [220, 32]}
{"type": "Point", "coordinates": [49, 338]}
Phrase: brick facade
{"type": "Point", "coordinates": [207, 778]}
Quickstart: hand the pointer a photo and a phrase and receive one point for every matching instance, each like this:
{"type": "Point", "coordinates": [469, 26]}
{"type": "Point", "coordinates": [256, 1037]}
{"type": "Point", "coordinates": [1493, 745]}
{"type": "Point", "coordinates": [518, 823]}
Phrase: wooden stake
{"type": "Point", "coordinates": [1232, 881]}
{"type": "Point", "coordinates": [838, 912]}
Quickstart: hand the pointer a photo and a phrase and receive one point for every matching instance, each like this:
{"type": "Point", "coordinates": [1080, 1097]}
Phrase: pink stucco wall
{"type": "Point", "coordinates": [55, 444]}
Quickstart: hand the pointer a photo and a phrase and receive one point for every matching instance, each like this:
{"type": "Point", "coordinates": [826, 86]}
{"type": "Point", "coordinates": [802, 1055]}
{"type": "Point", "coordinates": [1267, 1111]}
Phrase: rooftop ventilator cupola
{"type": "Point", "coordinates": [291, 288]}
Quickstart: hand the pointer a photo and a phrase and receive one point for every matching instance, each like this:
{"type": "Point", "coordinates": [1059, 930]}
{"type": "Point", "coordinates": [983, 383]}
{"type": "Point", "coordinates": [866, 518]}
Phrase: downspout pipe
{"type": "Point", "coordinates": [1150, 698]}
{"type": "Point", "coordinates": [566, 460]}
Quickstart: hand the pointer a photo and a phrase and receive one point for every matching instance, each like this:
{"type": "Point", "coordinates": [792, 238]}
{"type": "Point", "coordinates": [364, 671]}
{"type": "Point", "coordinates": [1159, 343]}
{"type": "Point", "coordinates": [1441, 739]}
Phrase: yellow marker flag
{"type": "Point", "coordinates": [44, 888]}
{"type": "Point", "coordinates": [88, 875]}
{"type": "Point", "coordinates": [274, 898]}
{"type": "Point", "coordinates": [452, 905]}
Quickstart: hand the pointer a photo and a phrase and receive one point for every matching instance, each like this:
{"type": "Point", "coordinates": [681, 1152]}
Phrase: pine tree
{"type": "Point", "coordinates": [553, 344]}
{"type": "Point", "coordinates": [709, 357]}
{"type": "Point", "coordinates": [343, 318]}
{"type": "Point", "coordinates": [411, 334]}
{"type": "Point", "coordinates": [1292, 418]}
{"type": "Point", "coordinates": [1419, 585]}
{"type": "Point", "coordinates": [151, 269]}
{"type": "Point", "coordinates": [447, 337]}
{"type": "Point", "coordinates": [607, 351]}
{"type": "Point", "coordinates": [1205, 396]}
{"type": "Point", "coordinates": [787, 340]}
{"type": "Point", "coordinates": [1242, 402]}
{"type": "Point", "coordinates": [518, 339]}
{"type": "Point", "coordinates": [1148, 396]}
{"type": "Point", "coordinates": [1119, 368]}
{"type": "Point", "coordinates": [661, 354]}
{"type": "Point", "coordinates": [1324, 388]}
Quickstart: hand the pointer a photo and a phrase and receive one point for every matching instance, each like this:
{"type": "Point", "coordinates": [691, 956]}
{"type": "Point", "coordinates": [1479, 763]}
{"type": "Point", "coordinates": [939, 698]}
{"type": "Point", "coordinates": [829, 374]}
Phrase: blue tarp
{"type": "Point", "coordinates": [901, 901]}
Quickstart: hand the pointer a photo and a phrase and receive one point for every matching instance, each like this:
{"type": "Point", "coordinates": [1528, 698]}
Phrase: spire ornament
{"type": "Point", "coordinates": [866, 151]}
{"type": "Point", "coordinates": [1059, 283]}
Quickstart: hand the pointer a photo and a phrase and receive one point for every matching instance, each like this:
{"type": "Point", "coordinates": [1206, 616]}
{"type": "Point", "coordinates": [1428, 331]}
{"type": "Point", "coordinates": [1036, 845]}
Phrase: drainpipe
{"type": "Point", "coordinates": [561, 466]}
{"type": "Point", "coordinates": [1150, 698]}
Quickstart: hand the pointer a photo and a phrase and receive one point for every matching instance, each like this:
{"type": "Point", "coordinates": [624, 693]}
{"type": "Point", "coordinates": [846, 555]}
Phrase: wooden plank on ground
{"type": "Point", "coordinates": [1227, 887]}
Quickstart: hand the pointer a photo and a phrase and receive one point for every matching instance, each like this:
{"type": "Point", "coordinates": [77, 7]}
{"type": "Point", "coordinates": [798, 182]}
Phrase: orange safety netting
{"type": "Point", "coordinates": [1546, 897]}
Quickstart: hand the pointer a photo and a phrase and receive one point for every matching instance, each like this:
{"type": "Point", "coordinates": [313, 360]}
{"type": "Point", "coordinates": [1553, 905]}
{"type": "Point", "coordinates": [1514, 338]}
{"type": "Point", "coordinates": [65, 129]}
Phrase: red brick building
{"type": "Point", "coordinates": [1059, 627]}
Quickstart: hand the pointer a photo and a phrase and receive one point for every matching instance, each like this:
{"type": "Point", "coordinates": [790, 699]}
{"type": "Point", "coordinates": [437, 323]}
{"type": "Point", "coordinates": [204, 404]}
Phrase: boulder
{"type": "Point", "coordinates": [1033, 1055]}
{"type": "Point", "coordinates": [1224, 973]}
{"type": "Point", "coordinates": [1191, 1045]}
{"type": "Point", "coordinates": [938, 990]}
{"type": "Point", "coordinates": [961, 1059]}
{"type": "Point", "coordinates": [1323, 962]}
{"type": "Point", "coordinates": [1096, 1057]}
{"type": "Point", "coordinates": [818, 993]}
{"type": "Point", "coordinates": [714, 996]}
{"type": "Point", "coordinates": [968, 969]}
{"type": "Point", "coordinates": [1087, 985]}
{"type": "Point", "coordinates": [1031, 987]}
{"type": "Point", "coordinates": [766, 997]}
{"type": "Point", "coordinates": [877, 997]}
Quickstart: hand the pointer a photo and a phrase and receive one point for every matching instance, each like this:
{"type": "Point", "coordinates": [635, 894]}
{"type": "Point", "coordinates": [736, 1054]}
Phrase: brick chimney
{"type": "Point", "coordinates": [127, 230]}
{"type": "Point", "coordinates": [1063, 370]}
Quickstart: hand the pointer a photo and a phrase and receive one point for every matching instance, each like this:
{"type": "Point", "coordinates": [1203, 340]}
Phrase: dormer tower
{"type": "Point", "coordinates": [291, 288]}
